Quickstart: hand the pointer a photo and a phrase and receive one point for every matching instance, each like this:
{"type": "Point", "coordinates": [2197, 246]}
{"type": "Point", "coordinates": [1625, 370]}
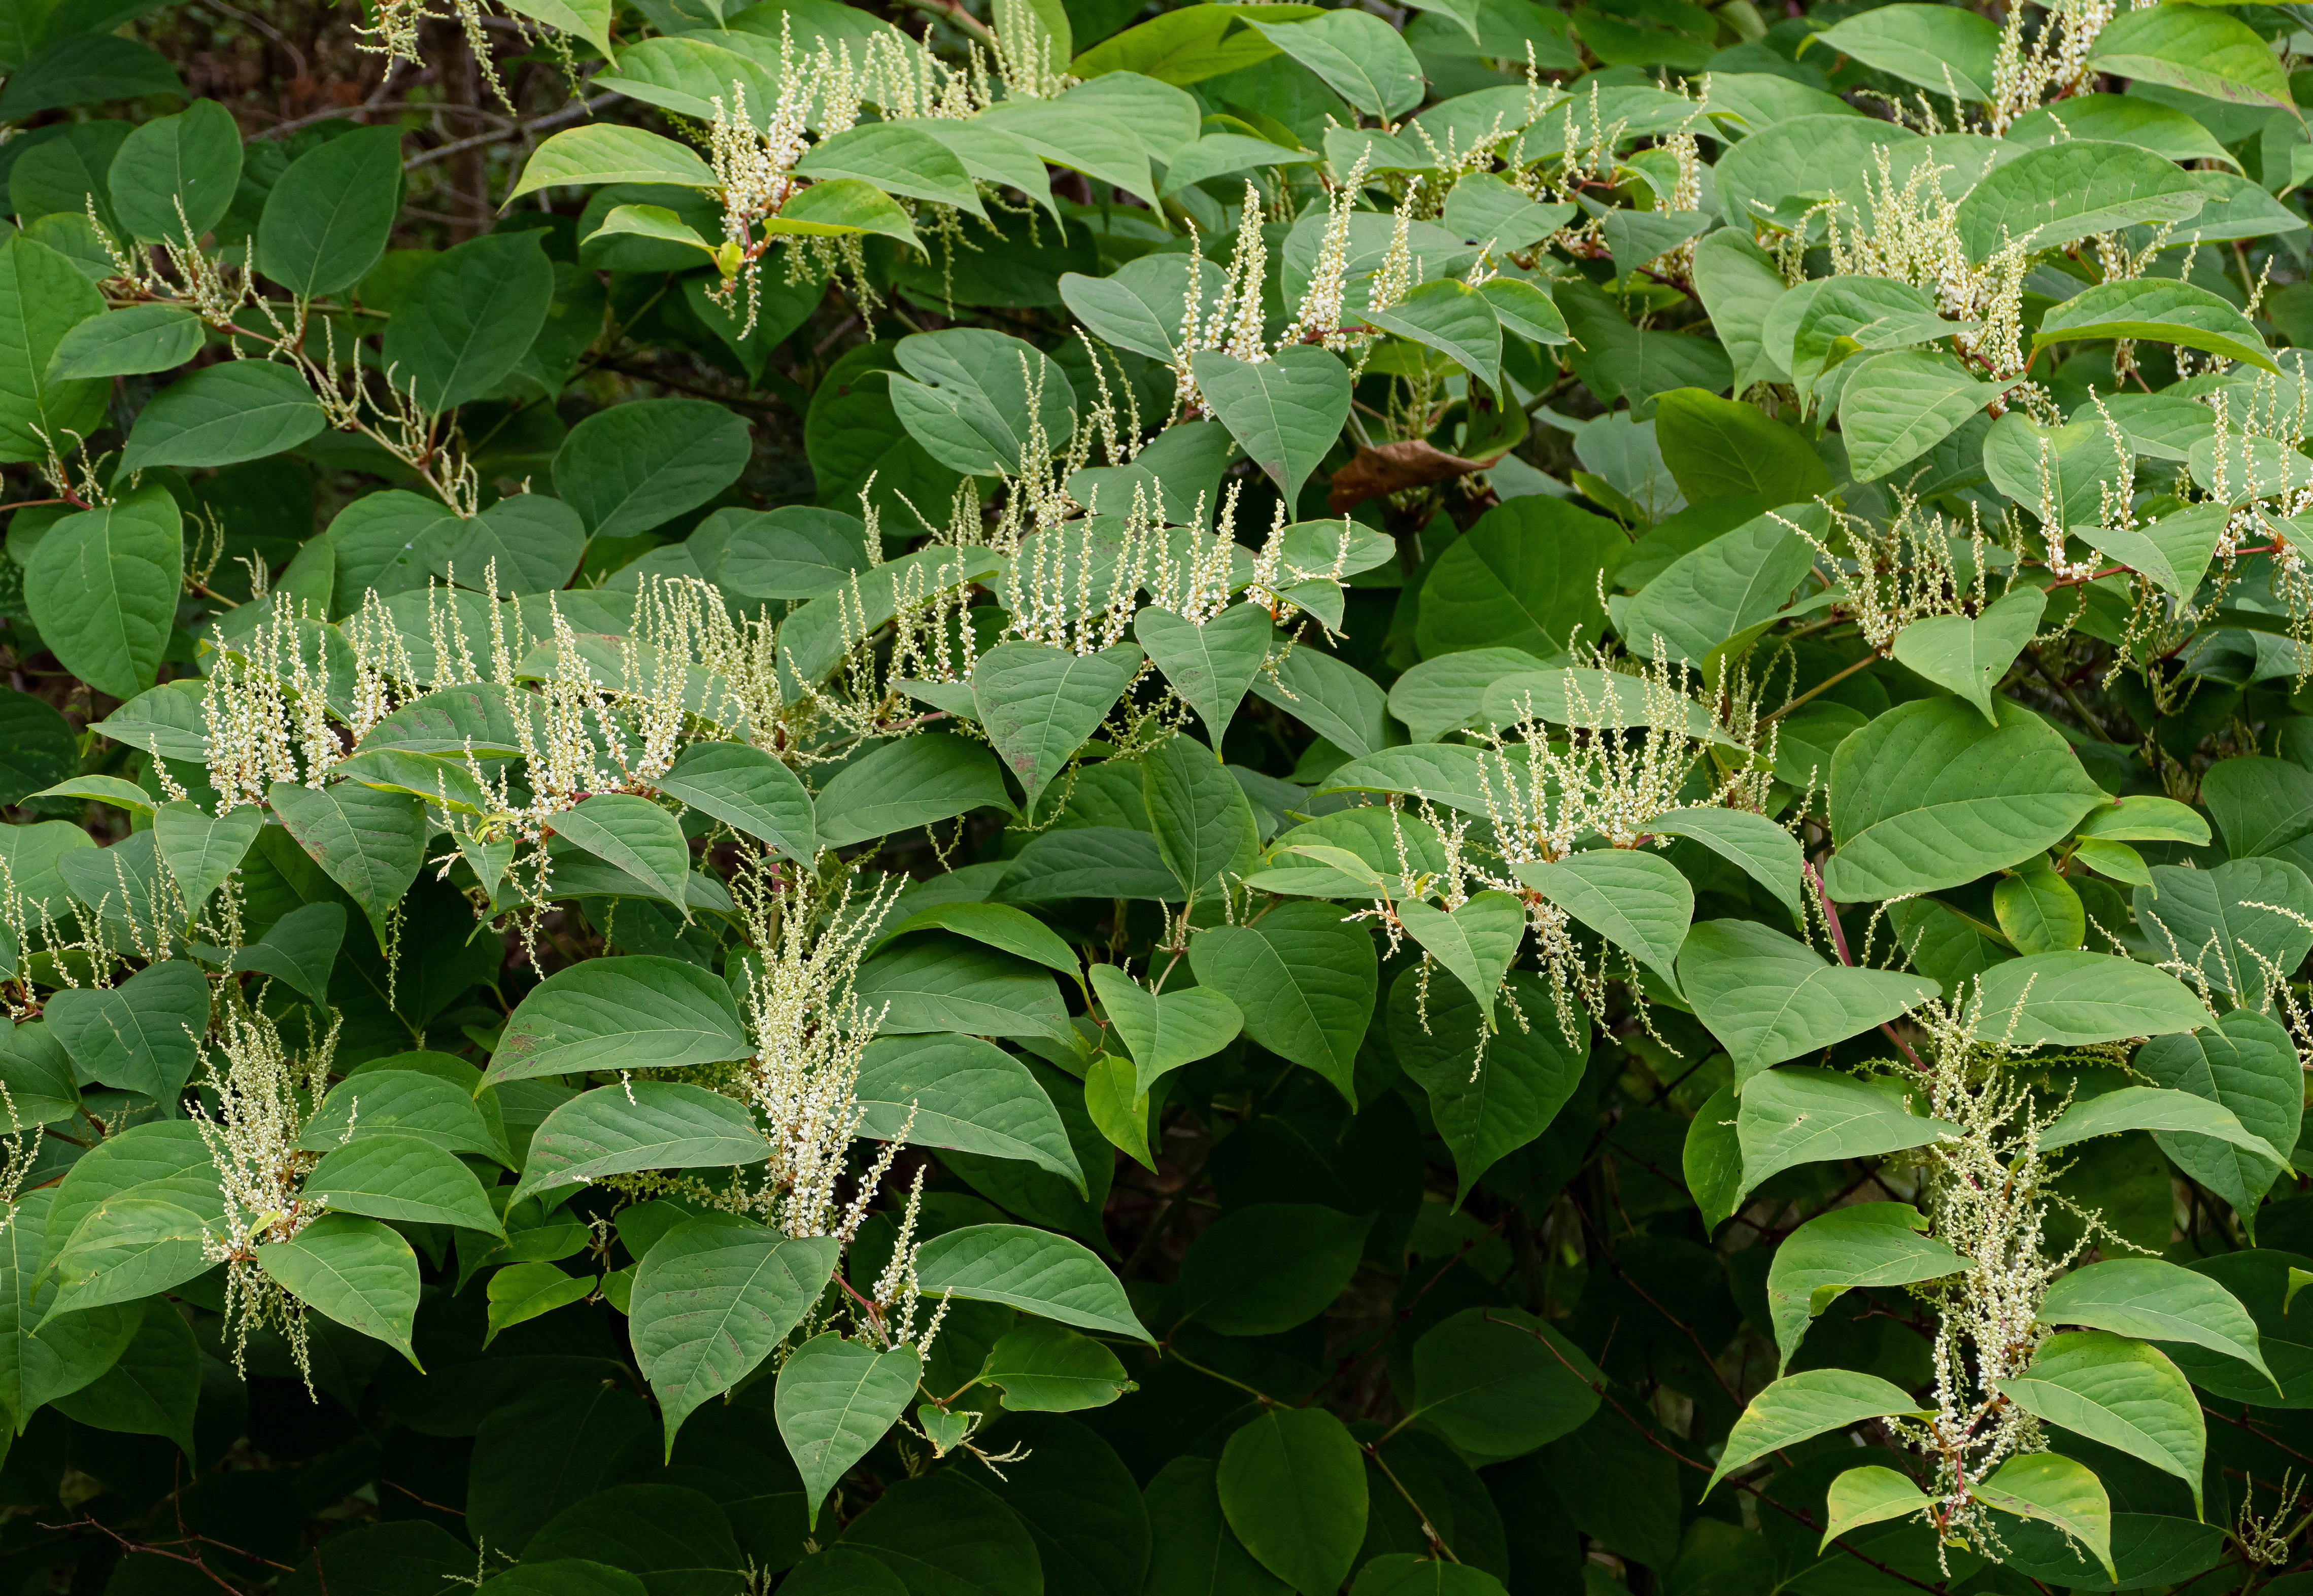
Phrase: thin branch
{"type": "Point", "coordinates": [559, 119]}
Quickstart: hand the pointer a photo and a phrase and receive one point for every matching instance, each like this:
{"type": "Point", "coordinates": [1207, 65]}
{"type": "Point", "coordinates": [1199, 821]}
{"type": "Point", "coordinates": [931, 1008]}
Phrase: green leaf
{"type": "Point", "coordinates": [38, 1074]}
{"type": "Point", "coordinates": [174, 176]}
{"type": "Point", "coordinates": [2072, 1000]}
{"type": "Point", "coordinates": [603, 153]}
{"type": "Point", "coordinates": [86, 66]}
{"type": "Point", "coordinates": [152, 1387]}
{"type": "Point", "coordinates": [2241, 925]}
{"type": "Point", "coordinates": [1475, 943]}
{"type": "Point", "coordinates": [638, 1012]}
{"type": "Point", "coordinates": [1871, 1495]}
{"type": "Point", "coordinates": [1001, 926]}
{"type": "Point", "coordinates": [835, 1399]}
{"type": "Point", "coordinates": [1139, 306]}
{"type": "Point", "coordinates": [713, 1298]}
{"type": "Point", "coordinates": [687, 75]}
{"type": "Point", "coordinates": [1040, 704]}
{"type": "Point", "coordinates": [1637, 900]}
{"type": "Point", "coordinates": [202, 850]}
{"type": "Point", "coordinates": [1753, 843]}
{"type": "Point", "coordinates": [2261, 805]}
{"type": "Point", "coordinates": [301, 949]}
{"type": "Point", "coordinates": [897, 159]}
{"type": "Point", "coordinates": [1163, 1032]}
{"type": "Point", "coordinates": [1402, 1574]}
{"type": "Point", "coordinates": [2118, 1391]}
{"type": "Point", "coordinates": [1799, 1406]}
{"type": "Point", "coordinates": [126, 343]}
{"type": "Point", "coordinates": [1720, 448]}
{"type": "Point", "coordinates": [1899, 404]}
{"type": "Point", "coordinates": [635, 835]}
{"type": "Point", "coordinates": [2141, 817]}
{"type": "Point", "coordinates": [102, 587]}
{"type": "Point", "coordinates": [1524, 309]}
{"type": "Point", "coordinates": [2157, 1300]}
{"type": "Point", "coordinates": [964, 1093]}
{"type": "Point", "coordinates": [1304, 980]}
{"type": "Point", "coordinates": [976, 400]}
{"type": "Point", "coordinates": [2065, 192]}
{"type": "Point", "coordinates": [368, 841]}
{"type": "Point", "coordinates": [2155, 311]}
{"type": "Point", "coordinates": [2151, 1108]}
{"type": "Point", "coordinates": [2063, 474]}
{"type": "Point", "coordinates": [142, 1036]}
{"type": "Point", "coordinates": [2038, 910]}
{"type": "Point", "coordinates": [1293, 1487]}
{"type": "Point", "coordinates": [1711, 600]}
{"type": "Point", "coordinates": [1202, 820]}
{"type": "Point", "coordinates": [642, 1125]}
{"type": "Point", "coordinates": [2058, 1490]}
{"type": "Point", "coordinates": [60, 1358]}
{"type": "Point", "coordinates": [1970, 656]}
{"type": "Point", "coordinates": [1048, 1368]}
{"type": "Point", "coordinates": [405, 1103]}
{"type": "Point", "coordinates": [2196, 48]}
{"type": "Point", "coordinates": [1937, 47]}
{"type": "Point", "coordinates": [1330, 696]}
{"type": "Point", "coordinates": [1928, 796]}
{"type": "Point", "coordinates": [1768, 997]}
{"type": "Point", "coordinates": [1031, 1270]}
{"type": "Point", "coordinates": [1286, 412]}
{"type": "Point", "coordinates": [1489, 1095]}
{"type": "Point", "coordinates": [1499, 1382]}
{"type": "Point", "coordinates": [326, 221]}
{"type": "Point", "coordinates": [629, 468]}
{"type": "Point", "coordinates": [842, 205]}
{"type": "Point", "coordinates": [1452, 318]}
{"type": "Point", "coordinates": [1262, 1269]}
{"type": "Point", "coordinates": [1193, 1552]}
{"type": "Point", "coordinates": [468, 317]}
{"type": "Point", "coordinates": [1865, 1244]}
{"type": "Point", "coordinates": [1371, 67]}
{"type": "Point", "coordinates": [2245, 1063]}
{"type": "Point", "coordinates": [1792, 1117]}
{"type": "Point", "coordinates": [519, 1292]}
{"type": "Point", "coordinates": [748, 790]}
{"type": "Point", "coordinates": [42, 297]}
{"type": "Point", "coordinates": [243, 409]}
{"type": "Point", "coordinates": [402, 1177]}
{"type": "Point", "coordinates": [938, 982]}
{"type": "Point", "coordinates": [1524, 576]}
{"type": "Point", "coordinates": [914, 782]}
{"type": "Point", "coordinates": [359, 1272]}
{"type": "Point", "coordinates": [136, 1243]}
{"type": "Point", "coordinates": [1711, 1160]}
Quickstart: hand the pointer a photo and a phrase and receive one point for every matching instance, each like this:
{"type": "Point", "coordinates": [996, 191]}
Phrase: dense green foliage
{"type": "Point", "coordinates": [1076, 800]}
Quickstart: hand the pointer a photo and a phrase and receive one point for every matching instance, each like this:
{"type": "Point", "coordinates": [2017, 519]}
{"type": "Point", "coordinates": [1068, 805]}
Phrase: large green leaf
{"type": "Point", "coordinates": [1901, 403]}
{"type": "Point", "coordinates": [1293, 1487]}
{"type": "Point", "coordinates": [2247, 1064]}
{"type": "Point", "coordinates": [1752, 843]}
{"type": "Point", "coordinates": [402, 1177]}
{"type": "Point", "coordinates": [1476, 942]}
{"type": "Point", "coordinates": [102, 586]}
{"type": "Point", "coordinates": [637, 836]}
{"type": "Point", "coordinates": [962, 1093]}
{"type": "Point", "coordinates": [402, 1102]}
{"type": "Point", "coordinates": [1720, 448]}
{"type": "Point", "coordinates": [38, 1367]}
{"type": "Point", "coordinates": [836, 1398]}
{"type": "Point", "coordinates": [1807, 1116]}
{"type": "Point", "coordinates": [1040, 704]}
{"type": "Point", "coordinates": [201, 850]}
{"type": "Point", "coordinates": [1031, 1270]}
{"type": "Point", "coordinates": [643, 1125]}
{"type": "Point", "coordinates": [1799, 1406]}
{"type": "Point", "coordinates": [2074, 999]}
{"type": "Point", "coordinates": [1489, 1095]}
{"type": "Point", "coordinates": [940, 982]}
{"type": "Point", "coordinates": [638, 1012]}
{"type": "Point", "coordinates": [1210, 665]}
{"type": "Point", "coordinates": [1202, 819]}
{"type": "Point", "coordinates": [977, 399]}
{"type": "Point", "coordinates": [913, 782]}
{"type": "Point", "coordinates": [1371, 67]}
{"type": "Point", "coordinates": [1940, 48]}
{"type": "Point", "coordinates": [470, 315]}
{"type": "Point", "coordinates": [174, 176]}
{"type": "Point", "coordinates": [1304, 979]}
{"type": "Point", "coordinates": [2055, 1489]}
{"type": "Point", "coordinates": [1928, 796]}
{"type": "Point", "coordinates": [2199, 50]}
{"type": "Point", "coordinates": [127, 342]}
{"type": "Point", "coordinates": [42, 297]}
{"type": "Point", "coordinates": [2065, 192]}
{"type": "Point", "coordinates": [243, 409]}
{"type": "Point", "coordinates": [2157, 1300]}
{"type": "Point", "coordinates": [355, 1271]}
{"type": "Point", "coordinates": [631, 467]}
{"type": "Point", "coordinates": [1269, 1267]}
{"type": "Point", "coordinates": [327, 218]}
{"type": "Point", "coordinates": [2151, 1108]}
{"type": "Point", "coordinates": [1865, 1244]}
{"type": "Point", "coordinates": [151, 1389]}
{"type": "Point", "coordinates": [1524, 577]}
{"type": "Point", "coordinates": [1286, 411]}
{"type": "Point", "coordinates": [1714, 596]}
{"type": "Point", "coordinates": [1637, 900]}
{"type": "Point", "coordinates": [747, 789]}
{"type": "Point", "coordinates": [2241, 925]}
{"type": "Point", "coordinates": [603, 153]}
{"type": "Point", "coordinates": [2156, 311]}
{"type": "Point", "coordinates": [1768, 997]}
{"type": "Point", "coordinates": [1499, 1382]}
{"type": "Point", "coordinates": [2121, 1392]}
{"type": "Point", "coordinates": [1164, 1031]}
{"type": "Point", "coordinates": [713, 1298]}
{"type": "Point", "coordinates": [143, 1035]}
{"type": "Point", "coordinates": [369, 841]}
{"type": "Point", "coordinates": [1971, 655]}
